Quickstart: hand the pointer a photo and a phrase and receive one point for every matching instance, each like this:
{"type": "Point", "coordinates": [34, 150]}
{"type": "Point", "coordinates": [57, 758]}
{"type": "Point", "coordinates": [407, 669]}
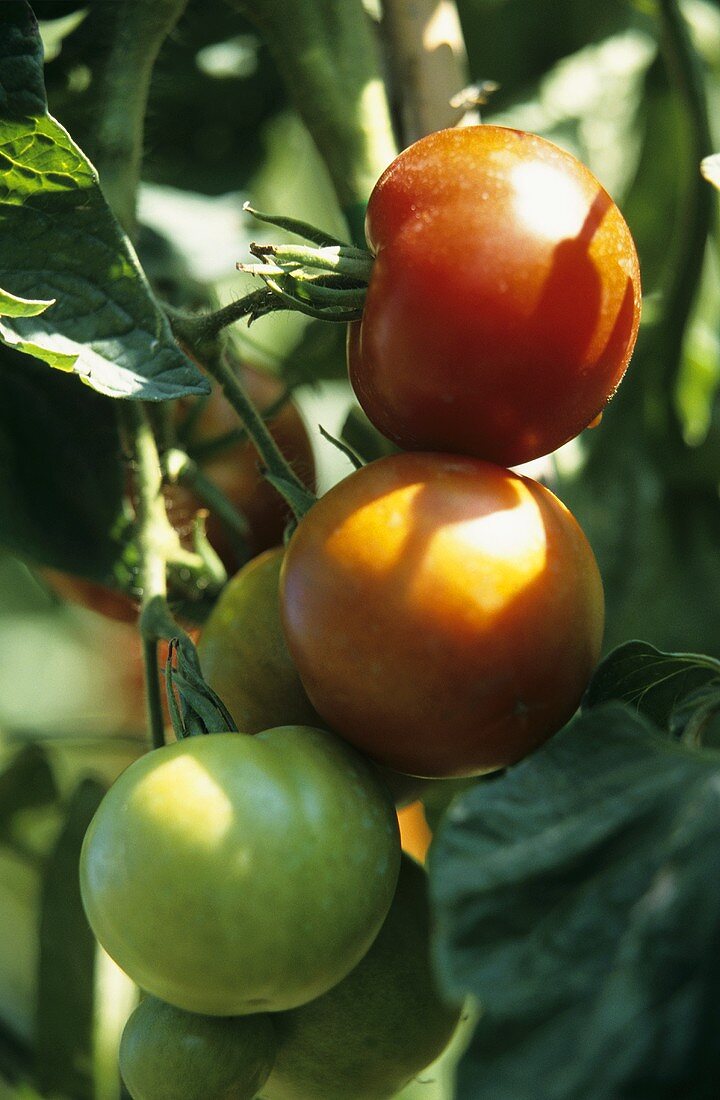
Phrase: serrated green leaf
{"type": "Point", "coordinates": [67, 961]}
{"type": "Point", "coordinates": [61, 242]}
{"type": "Point", "coordinates": [11, 306]}
{"type": "Point", "coordinates": [653, 682]}
{"type": "Point", "coordinates": [578, 897]}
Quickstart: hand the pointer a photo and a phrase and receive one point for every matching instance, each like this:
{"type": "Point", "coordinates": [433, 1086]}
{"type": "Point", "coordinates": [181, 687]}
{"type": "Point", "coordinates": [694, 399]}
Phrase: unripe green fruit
{"type": "Point", "coordinates": [373, 1032]}
{"type": "Point", "coordinates": [166, 1054]}
{"type": "Point", "coordinates": [230, 875]}
{"type": "Point", "coordinates": [243, 653]}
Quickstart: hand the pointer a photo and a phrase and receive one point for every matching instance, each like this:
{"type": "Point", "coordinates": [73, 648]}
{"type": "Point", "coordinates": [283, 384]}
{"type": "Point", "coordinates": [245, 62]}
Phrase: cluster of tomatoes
{"type": "Point", "coordinates": [439, 613]}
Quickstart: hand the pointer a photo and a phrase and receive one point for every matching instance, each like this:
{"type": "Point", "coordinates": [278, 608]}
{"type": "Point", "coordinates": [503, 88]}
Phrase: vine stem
{"type": "Point", "coordinates": [329, 59]}
{"type": "Point", "coordinates": [135, 30]}
{"type": "Point", "coordinates": [428, 65]}
{"type": "Point", "coordinates": [281, 472]}
{"type": "Point", "coordinates": [156, 542]}
{"type": "Point", "coordinates": [698, 215]}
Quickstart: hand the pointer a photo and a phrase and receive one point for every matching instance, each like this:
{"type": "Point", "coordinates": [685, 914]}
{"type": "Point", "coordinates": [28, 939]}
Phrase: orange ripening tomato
{"type": "Point", "coordinates": [444, 613]}
{"type": "Point", "coordinates": [504, 300]}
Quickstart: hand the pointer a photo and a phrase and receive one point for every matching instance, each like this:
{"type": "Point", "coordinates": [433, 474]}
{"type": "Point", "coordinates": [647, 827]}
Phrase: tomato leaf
{"type": "Point", "coordinates": [67, 961]}
{"type": "Point", "coordinates": [577, 897]}
{"type": "Point", "coordinates": [63, 247]}
{"type": "Point", "coordinates": [194, 707]}
{"type": "Point", "coordinates": [666, 687]}
{"type": "Point", "coordinates": [61, 479]}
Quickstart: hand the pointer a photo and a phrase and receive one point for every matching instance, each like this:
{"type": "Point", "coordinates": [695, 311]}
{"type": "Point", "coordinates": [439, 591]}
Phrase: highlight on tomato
{"type": "Point", "coordinates": [229, 874]}
{"type": "Point", "coordinates": [444, 614]}
{"type": "Point", "coordinates": [504, 300]}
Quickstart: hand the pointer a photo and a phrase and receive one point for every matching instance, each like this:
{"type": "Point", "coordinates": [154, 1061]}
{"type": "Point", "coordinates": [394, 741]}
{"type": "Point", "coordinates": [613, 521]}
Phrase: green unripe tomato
{"type": "Point", "coordinates": [243, 653]}
{"type": "Point", "coordinates": [229, 874]}
{"type": "Point", "coordinates": [374, 1031]}
{"type": "Point", "coordinates": [245, 659]}
{"type": "Point", "coordinates": [166, 1053]}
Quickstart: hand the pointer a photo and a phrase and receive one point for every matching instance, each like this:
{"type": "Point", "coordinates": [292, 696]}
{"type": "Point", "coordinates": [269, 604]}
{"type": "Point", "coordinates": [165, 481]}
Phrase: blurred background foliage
{"type": "Point", "coordinates": [221, 129]}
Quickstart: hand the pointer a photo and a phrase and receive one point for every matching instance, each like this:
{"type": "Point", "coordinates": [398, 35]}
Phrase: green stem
{"type": "Point", "coordinates": [182, 468]}
{"type": "Point", "coordinates": [158, 546]}
{"type": "Point", "coordinates": [271, 456]}
{"type": "Point", "coordinates": [697, 218]}
{"type": "Point", "coordinates": [134, 31]}
{"type": "Point", "coordinates": [327, 54]}
{"type": "Point", "coordinates": [196, 330]}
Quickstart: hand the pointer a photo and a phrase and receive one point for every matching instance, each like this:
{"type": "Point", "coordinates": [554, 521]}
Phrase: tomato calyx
{"type": "Point", "coordinates": [324, 278]}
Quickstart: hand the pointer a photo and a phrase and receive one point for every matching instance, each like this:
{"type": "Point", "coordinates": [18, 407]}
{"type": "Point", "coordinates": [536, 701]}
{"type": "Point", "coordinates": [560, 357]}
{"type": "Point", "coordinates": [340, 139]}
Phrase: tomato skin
{"type": "Point", "coordinates": [504, 301]}
{"type": "Point", "coordinates": [444, 614]}
{"type": "Point", "coordinates": [229, 874]}
{"type": "Point", "coordinates": [243, 652]}
{"type": "Point", "coordinates": [373, 1032]}
{"type": "Point", "coordinates": [245, 659]}
{"type": "Point", "coordinates": [166, 1053]}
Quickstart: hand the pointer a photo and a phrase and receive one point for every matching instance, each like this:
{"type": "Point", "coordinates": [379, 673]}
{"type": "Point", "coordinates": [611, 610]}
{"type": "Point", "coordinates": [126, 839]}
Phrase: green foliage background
{"type": "Point", "coordinates": [596, 78]}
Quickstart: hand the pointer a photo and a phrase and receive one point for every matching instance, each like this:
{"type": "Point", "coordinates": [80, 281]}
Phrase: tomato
{"type": "Point", "coordinates": [444, 613]}
{"type": "Point", "coordinates": [166, 1053]}
{"type": "Point", "coordinates": [504, 301]}
{"type": "Point", "coordinates": [244, 656]}
{"type": "Point", "coordinates": [235, 469]}
{"type": "Point", "coordinates": [229, 874]}
{"type": "Point", "coordinates": [373, 1032]}
{"type": "Point", "coordinates": [245, 659]}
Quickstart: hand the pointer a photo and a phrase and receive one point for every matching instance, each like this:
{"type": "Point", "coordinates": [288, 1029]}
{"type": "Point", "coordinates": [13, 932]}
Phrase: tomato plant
{"type": "Point", "coordinates": [444, 613]}
{"type": "Point", "coordinates": [504, 300]}
{"type": "Point", "coordinates": [166, 1053]}
{"type": "Point", "coordinates": [374, 1031]}
{"type": "Point", "coordinates": [235, 468]}
{"type": "Point", "coordinates": [229, 874]}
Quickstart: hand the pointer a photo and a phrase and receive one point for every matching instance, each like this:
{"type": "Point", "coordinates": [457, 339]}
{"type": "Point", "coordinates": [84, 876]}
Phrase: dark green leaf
{"type": "Point", "coordinates": [27, 782]}
{"type": "Point", "coordinates": [578, 897]}
{"type": "Point", "coordinates": [61, 476]}
{"type": "Point", "coordinates": [16, 1059]}
{"type": "Point", "coordinates": [67, 961]}
{"type": "Point", "coordinates": [194, 707]}
{"type": "Point", "coordinates": [655, 683]}
{"type": "Point", "coordinates": [62, 244]}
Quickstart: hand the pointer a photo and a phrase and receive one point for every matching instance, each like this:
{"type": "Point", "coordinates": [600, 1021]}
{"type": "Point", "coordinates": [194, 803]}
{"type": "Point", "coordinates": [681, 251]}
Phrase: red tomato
{"type": "Point", "coordinates": [504, 300]}
{"type": "Point", "coordinates": [444, 614]}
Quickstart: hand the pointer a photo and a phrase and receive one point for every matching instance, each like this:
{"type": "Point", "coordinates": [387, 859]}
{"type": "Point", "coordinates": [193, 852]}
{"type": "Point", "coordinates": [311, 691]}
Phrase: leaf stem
{"type": "Point", "coordinates": [328, 56]}
{"type": "Point", "coordinates": [697, 217]}
{"type": "Point", "coordinates": [300, 499]}
{"type": "Point", "coordinates": [158, 544]}
{"type": "Point", "coordinates": [134, 31]}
